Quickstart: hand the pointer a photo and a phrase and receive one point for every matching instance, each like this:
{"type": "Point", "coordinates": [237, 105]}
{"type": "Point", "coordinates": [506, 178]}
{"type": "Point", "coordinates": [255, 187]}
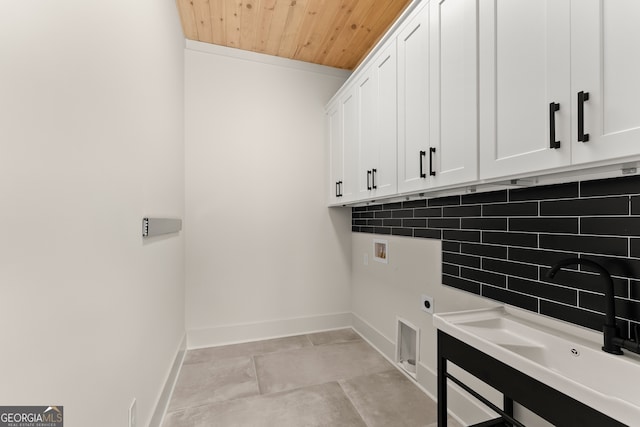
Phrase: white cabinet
{"type": "Point", "coordinates": [559, 84]}
{"type": "Point", "coordinates": [605, 64]}
{"type": "Point", "coordinates": [453, 151]}
{"type": "Point", "coordinates": [342, 130]}
{"type": "Point", "coordinates": [438, 96]}
{"type": "Point", "coordinates": [482, 91]}
{"type": "Point", "coordinates": [367, 143]}
{"type": "Point", "coordinates": [524, 73]}
{"type": "Point", "coordinates": [336, 155]}
{"type": "Point", "coordinates": [349, 109]}
{"type": "Point", "coordinates": [413, 103]}
{"type": "Point", "coordinates": [377, 140]}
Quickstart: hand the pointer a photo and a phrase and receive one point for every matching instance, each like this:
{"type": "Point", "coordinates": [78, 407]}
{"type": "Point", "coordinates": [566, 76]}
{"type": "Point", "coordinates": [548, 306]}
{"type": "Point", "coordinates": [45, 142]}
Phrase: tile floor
{"type": "Point", "coordinates": [324, 379]}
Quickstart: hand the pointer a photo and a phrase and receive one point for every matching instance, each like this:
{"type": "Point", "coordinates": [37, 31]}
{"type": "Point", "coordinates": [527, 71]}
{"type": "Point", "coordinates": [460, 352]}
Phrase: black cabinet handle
{"type": "Point", "coordinates": [422, 155]}
{"type": "Point", "coordinates": [373, 178]}
{"type": "Point", "coordinates": [553, 107]}
{"type": "Point", "coordinates": [368, 180]}
{"type": "Point", "coordinates": [432, 151]}
{"type": "Point", "coordinates": [582, 97]}
{"type": "Point", "coordinates": [337, 188]}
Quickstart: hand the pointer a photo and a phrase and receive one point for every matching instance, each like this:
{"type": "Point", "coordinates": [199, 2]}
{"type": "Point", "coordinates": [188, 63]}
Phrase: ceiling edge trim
{"type": "Point", "coordinates": [265, 59]}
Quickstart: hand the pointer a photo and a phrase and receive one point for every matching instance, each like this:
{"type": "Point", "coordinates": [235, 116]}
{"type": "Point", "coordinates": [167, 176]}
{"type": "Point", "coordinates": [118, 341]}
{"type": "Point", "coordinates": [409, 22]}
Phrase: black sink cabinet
{"type": "Point", "coordinates": [550, 404]}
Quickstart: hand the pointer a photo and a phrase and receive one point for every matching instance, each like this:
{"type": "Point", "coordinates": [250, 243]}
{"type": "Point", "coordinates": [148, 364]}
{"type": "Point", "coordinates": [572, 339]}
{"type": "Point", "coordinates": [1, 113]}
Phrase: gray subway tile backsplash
{"type": "Point", "coordinates": [500, 244]}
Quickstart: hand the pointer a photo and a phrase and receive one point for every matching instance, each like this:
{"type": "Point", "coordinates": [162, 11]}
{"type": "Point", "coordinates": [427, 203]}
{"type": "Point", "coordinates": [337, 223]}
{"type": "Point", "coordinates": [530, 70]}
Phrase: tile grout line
{"type": "Point", "coordinates": [255, 371]}
{"type": "Point", "coordinates": [351, 401]}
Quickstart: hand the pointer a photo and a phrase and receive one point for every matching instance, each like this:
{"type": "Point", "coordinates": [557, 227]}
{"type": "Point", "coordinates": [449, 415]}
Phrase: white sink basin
{"type": "Point", "coordinates": [563, 356]}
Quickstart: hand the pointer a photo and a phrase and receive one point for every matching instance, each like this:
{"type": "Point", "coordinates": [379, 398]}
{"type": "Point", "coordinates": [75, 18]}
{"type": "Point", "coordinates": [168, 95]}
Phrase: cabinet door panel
{"type": "Point", "coordinates": [413, 102]}
{"type": "Point", "coordinates": [455, 93]}
{"type": "Point", "coordinates": [386, 122]}
{"type": "Point", "coordinates": [367, 141]}
{"type": "Point", "coordinates": [336, 154]}
{"type": "Point", "coordinates": [349, 109]}
{"type": "Point", "coordinates": [606, 64]}
{"type": "Point", "coordinates": [524, 66]}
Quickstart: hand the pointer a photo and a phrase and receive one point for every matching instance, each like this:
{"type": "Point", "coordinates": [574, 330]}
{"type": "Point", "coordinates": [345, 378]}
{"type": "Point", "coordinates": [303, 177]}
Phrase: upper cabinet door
{"type": "Point", "coordinates": [525, 79]}
{"type": "Point", "coordinates": [413, 103]}
{"type": "Point", "coordinates": [606, 66]}
{"type": "Point", "coordinates": [377, 127]}
{"type": "Point", "coordinates": [349, 128]}
{"type": "Point", "coordinates": [342, 131]}
{"type": "Point", "coordinates": [366, 98]}
{"type": "Point", "coordinates": [336, 154]}
{"type": "Point", "coordinates": [454, 93]}
{"type": "Point", "coordinates": [385, 175]}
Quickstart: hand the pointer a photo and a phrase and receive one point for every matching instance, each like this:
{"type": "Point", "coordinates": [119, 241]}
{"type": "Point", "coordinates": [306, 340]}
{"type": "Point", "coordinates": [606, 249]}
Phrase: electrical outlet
{"type": "Point", "coordinates": [133, 417]}
{"type": "Point", "coordinates": [426, 304]}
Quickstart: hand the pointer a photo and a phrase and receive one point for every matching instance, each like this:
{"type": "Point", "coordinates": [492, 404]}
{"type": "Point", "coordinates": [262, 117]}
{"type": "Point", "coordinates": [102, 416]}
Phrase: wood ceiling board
{"type": "Point", "coordinates": [342, 45]}
{"type": "Point", "coordinates": [340, 18]}
{"type": "Point", "coordinates": [265, 17]}
{"type": "Point", "coordinates": [312, 20]}
{"type": "Point", "coordinates": [377, 22]}
{"type": "Point", "coordinates": [249, 24]}
{"type": "Point", "coordinates": [202, 16]}
{"type": "Point", "coordinates": [292, 27]}
{"type": "Point", "coordinates": [232, 21]}
{"type": "Point", "coordinates": [216, 15]}
{"type": "Point", "coordinates": [337, 33]}
{"type": "Point", "coordinates": [188, 19]}
{"type": "Point", "coordinates": [278, 23]}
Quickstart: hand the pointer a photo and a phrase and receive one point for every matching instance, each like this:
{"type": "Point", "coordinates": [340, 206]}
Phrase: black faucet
{"type": "Point", "coordinates": [612, 339]}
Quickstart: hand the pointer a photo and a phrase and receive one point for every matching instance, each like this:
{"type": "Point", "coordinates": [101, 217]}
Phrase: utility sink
{"type": "Point", "coordinates": [565, 357]}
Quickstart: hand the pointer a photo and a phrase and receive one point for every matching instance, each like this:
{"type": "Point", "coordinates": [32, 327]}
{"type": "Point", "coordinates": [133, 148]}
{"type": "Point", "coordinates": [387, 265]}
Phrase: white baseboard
{"type": "Point", "coordinates": [234, 334]}
{"type": "Point", "coordinates": [374, 337]}
{"type": "Point", "coordinates": [169, 384]}
{"type": "Point", "coordinates": [464, 408]}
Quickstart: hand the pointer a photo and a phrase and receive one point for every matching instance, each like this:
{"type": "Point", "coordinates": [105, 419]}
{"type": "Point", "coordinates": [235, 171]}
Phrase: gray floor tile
{"type": "Point", "coordinates": [315, 406]}
{"type": "Point", "coordinates": [317, 365]}
{"type": "Point", "coordinates": [201, 383]}
{"type": "Point", "coordinates": [334, 337]}
{"type": "Point", "coordinates": [451, 422]}
{"type": "Point", "coordinates": [247, 349]}
{"type": "Point", "coordinates": [390, 399]}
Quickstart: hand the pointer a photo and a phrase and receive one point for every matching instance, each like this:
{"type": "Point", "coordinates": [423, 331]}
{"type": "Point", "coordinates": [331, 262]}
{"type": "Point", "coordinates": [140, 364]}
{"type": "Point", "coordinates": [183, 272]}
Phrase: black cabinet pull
{"type": "Point", "coordinates": [553, 107]}
{"type": "Point", "coordinates": [582, 97]}
{"type": "Point", "coordinates": [368, 180]}
{"type": "Point", "coordinates": [337, 188]}
{"type": "Point", "coordinates": [373, 178]}
{"type": "Point", "coordinates": [422, 155]}
{"type": "Point", "coordinates": [432, 151]}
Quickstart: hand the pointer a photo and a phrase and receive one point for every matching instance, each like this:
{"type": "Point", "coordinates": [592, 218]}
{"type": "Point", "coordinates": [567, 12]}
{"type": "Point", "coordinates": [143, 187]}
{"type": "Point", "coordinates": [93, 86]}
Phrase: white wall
{"type": "Point", "coordinates": [91, 140]}
{"type": "Point", "coordinates": [264, 255]}
{"type": "Point", "coordinates": [384, 292]}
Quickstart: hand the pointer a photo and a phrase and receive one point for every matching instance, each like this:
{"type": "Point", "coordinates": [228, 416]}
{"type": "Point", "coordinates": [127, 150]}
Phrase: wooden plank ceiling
{"type": "Point", "coordinates": [337, 33]}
